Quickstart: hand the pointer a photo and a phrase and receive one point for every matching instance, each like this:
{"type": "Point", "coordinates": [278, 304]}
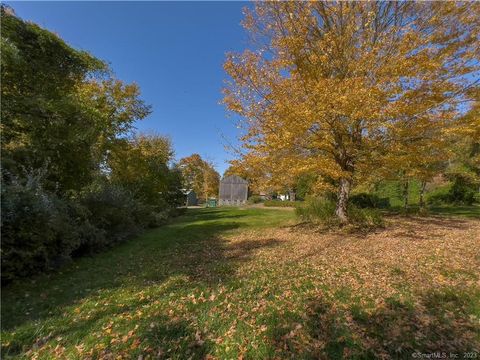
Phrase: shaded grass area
{"type": "Point", "coordinates": [456, 211]}
{"type": "Point", "coordinates": [231, 282]}
{"type": "Point", "coordinates": [398, 329]}
{"type": "Point", "coordinates": [77, 305]}
{"type": "Point", "coordinates": [469, 211]}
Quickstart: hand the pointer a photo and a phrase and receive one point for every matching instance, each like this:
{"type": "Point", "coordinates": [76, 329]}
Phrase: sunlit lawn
{"type": "Point", "coordinates": [231, 283]}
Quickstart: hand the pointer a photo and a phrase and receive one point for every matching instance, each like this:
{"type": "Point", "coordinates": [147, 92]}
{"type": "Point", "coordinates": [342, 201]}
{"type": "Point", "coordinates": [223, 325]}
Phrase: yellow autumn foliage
{"type": "Point", "coordinates": [349, 89]}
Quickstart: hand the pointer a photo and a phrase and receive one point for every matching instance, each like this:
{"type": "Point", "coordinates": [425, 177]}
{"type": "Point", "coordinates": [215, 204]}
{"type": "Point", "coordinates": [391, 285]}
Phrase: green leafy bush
{"type": "Point", "coordinates": [365, 200]}
{"type": "Point", "coordinates": [114, 212]}
{"type": "Point", "coordinates": [365, 218]}
{"type": "Point", "coordinates": [439, 195]}
{"type": "Point", "coordinates": [304, 185]}
{"type": "Point", "coordinates": [255, 199]}
{"type": "Point", "coordinates": [316, 210]}
{"type": "Point", "coordinates": [39, 230]}
{"type": "Point", "coordinates": [322, 210]}
{"type": "Point", "coordinates": [462, 191]}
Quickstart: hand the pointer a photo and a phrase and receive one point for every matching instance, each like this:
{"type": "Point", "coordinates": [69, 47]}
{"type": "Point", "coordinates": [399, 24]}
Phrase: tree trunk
{"type": "Point", "coordinates": [342, 201]}
{"type": "Point", "coordinates": [291, 195]}
{"type": "Point", "coordinates": [405, 195]}
{"type": "Point", "coordinates": [422, 194]}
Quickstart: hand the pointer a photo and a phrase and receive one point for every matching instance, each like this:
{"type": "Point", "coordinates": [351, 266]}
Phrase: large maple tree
{"type": "Point", "coordinates": [333, 87]}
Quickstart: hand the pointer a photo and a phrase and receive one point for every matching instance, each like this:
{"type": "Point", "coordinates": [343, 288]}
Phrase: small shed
{"type": "Point", "coordinates": [233, 191]}
{"type": "Point", "coordinates": [190, 197]}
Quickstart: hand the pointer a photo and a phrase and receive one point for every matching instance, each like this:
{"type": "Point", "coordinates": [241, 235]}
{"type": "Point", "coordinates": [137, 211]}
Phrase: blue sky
{"type": "Point", "coordinates": [173, 50]}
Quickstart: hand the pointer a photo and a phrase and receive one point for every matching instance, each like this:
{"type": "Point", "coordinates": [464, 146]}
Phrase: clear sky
{"type": "Point", "coordinates": [173, 50]}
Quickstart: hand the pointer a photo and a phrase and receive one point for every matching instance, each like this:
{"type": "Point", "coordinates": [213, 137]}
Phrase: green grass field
{"type": "Point", "coordinates": [230, 283]}
{"type": "Point", "coordinates": [392, 191]}
{"type": "Point", "coordinates": [127, 286]}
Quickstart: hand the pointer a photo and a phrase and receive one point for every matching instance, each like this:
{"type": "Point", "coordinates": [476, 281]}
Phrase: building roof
{"type": "Point", "coordinates": [187, 191]}
{"type": "Point", "coordinates": [233, 179]}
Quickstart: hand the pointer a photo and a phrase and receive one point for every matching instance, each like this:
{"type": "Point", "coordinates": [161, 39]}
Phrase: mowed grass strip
{"type": "Point", "coordinates": [233, 283]}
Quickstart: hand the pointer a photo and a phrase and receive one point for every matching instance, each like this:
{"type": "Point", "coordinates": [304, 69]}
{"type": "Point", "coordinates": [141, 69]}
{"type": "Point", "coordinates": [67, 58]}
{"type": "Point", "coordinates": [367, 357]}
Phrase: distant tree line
{"type": "Point", "coordinates": [199, 175]}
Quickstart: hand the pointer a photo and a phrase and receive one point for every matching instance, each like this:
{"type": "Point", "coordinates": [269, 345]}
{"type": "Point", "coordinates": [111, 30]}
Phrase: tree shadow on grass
{"type": "Point", "coordinates": [416, 228]}
{"type": "Point", "coordinates": [78, 328]}
{"type": "Point", "coordinates": [132, 262]}
{"type": "Point", "coordinates": [469, 211]}
{"type": "Point", "coordinates": [174, 338]}
{"type": "Point", "coordinates": [448, 223]}
{"type": "Point", "coordinates": [437, 321]}
{"type": "Point", "coordinates": [182, 250]}
{"type": "Point", "coordinates": [210, 214]}
{"type": "Point", "coordinates": [157, 336]}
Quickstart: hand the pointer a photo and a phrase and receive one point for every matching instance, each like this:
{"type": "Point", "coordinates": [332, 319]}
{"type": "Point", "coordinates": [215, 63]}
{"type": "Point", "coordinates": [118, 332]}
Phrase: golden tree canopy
{"type": "Point", "coordinates": [333, 87]}
{"type": "Point", "coordinates": [199, 175]}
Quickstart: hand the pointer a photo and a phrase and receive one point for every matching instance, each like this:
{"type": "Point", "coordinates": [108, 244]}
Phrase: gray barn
{"type": "Point", "coordinates": [233, 191]}
{"type": "Point", "coordinates": [190, 197]}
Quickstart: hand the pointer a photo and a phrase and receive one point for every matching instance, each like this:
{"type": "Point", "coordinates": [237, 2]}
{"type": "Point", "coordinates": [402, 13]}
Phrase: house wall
{"type": "Point", "coordinates": [233, 191]}
{"type": "Point", "coordinates": [192, 199]}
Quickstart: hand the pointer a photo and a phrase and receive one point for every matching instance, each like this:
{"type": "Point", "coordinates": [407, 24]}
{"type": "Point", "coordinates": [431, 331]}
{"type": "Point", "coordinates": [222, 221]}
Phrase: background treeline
{"type": "Point", "coordinates": [200, 176]}
{"type": "Point", "coordinates": [75, 177]}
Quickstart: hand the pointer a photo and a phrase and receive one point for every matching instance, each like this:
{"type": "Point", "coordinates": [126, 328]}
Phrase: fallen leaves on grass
{"type": "Point", "coordinates": [288, 292]}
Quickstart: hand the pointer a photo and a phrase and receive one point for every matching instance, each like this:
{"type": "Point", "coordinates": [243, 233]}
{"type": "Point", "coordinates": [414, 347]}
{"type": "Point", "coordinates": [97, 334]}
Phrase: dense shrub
{"type": "Point", "coordinates": [439, 195]}
{"type": "Point", "coordinates": [39, 230]}
{"type": "Point", "coordinates": [114, 212]}
{"type": "Point", "coordinates": [304, 185]}
{"type": "Point", "coordinates": [317, 210]}
{"type": "Point", "coordinates": [365, 218]}
{"type": "Point", "coordinates": [365, 200]}
{"type": "Point", "coordinates": [322, 210]}
{"type": "Point", "coordinates": [255, 199]}
{"type": "Point", "coordinates": [280, 203]}
{"type": "Point", "coordinates": [461, 191]}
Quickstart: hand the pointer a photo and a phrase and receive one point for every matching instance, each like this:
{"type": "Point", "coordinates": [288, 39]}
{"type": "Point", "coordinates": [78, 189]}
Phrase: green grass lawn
{"type": "Point", "coordinates": [456, 211]}
{"type": "Point", "coordinates": [392, 190]}
{"type": "Point", "coordinates": [128, 288]}
{"type": "Point", "coordinates": [232, 283]}
{"type": "Point", "coordinates": [468, 211]}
